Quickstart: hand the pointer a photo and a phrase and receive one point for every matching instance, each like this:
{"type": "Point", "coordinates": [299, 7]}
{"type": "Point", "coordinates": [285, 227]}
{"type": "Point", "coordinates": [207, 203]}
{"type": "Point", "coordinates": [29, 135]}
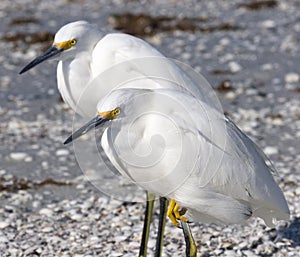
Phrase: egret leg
{"type": "Point", "coordinates": [161, 226]}
{"type": "Point", "coordinates": [191, 248]}
{"type": "Point", "coordinates": [147, 222]}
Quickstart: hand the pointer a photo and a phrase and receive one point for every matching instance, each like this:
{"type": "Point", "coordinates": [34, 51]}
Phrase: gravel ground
{"type": "Point", "coordinates": [249, 52]}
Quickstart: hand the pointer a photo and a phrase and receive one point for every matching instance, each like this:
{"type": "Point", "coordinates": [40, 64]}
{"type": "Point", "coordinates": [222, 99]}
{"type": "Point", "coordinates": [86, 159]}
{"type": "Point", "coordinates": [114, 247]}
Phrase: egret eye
{"type": "Point", "coordinates": [117, 111]}
{"type": "Point", "coordinates": [73, 42]}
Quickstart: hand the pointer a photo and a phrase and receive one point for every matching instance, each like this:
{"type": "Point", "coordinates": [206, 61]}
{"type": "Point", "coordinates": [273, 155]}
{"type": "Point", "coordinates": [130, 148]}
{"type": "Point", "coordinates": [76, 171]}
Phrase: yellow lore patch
{"type": "Point", "coordinates": [110, 115]}
{"type": "Point", "coordinates": [65, 45]}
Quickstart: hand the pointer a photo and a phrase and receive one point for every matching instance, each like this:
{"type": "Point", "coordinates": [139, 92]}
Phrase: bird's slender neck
{"type": "Point", "coordinates": [75, 74]}
{"type": "Point", "coordinates": [80, 69]}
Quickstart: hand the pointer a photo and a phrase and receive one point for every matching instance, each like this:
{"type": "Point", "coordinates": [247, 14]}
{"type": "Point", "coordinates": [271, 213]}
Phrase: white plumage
{"type": "Point", "coordinates": [174, 145]}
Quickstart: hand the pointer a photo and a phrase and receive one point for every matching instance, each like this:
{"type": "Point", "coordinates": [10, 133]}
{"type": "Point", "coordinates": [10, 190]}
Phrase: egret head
{"type": "Point", "coordinates": [117, 105]}
{"type": "Point", "coordinates": [100, 119]}
{"type": "Point", "coordinates": [72, 39]}
{"type": "Point", "coordinates": [120, 104]}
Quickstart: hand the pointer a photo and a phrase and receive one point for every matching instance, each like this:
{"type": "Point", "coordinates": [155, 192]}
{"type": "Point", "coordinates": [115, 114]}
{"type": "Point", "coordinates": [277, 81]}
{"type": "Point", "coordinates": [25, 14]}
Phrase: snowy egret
{"type": "Point", "coordinates": [199, 159]}
{"type": "Point", "coordinates": [84, 52]}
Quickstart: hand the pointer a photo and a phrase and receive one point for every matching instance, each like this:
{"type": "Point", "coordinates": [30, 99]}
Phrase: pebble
{"type": "Point", "coordinates": [227, 245]}
{"type": "Point", "coordinates": [3, 224]}
{"type": "Point", "coordinates": [18, 156]}
{"type": "Point", "coordinates": [269, 24]}
{"type": "Point", "coordinates": [292, 77]}
{"type": "Point", "coordinates": [218, 252]}
{"type": "Point", "coordinates": [151, 243]}
{"type": "Point", "coordinates": [234, 67]}
{"type": "Point", "coordinates": [277, 122]}
{"type": "Point", "coordinates": [28, 159]}
{"type": "Point", "coordinates": [270, 150]}
{"type": "Point", "coordinates": [120, 238]}
{"type": "Point", "coordinates": [62, 152]}
{"type": "Point", "coordinates": [47, 229]}
{"type": "Point", "coordinates": [230, 253]}
{"type": "Point", "coordinates": [14, 252]}
{"type": "Point", "coordinates": [116, 254]}
{"type": "Point", "coordinates": [30, 250]}
{"type": "Point", "coordinates": [46, 212]}
{"type": "Point", "coordinates": [66, 255]}
{"type": "Point", "coordinates": [3, 239]}
{"type": "Point", "coordinates": [45, 164]}
{"type": "Point", "coordinates": [243, 245]}
{"type": "Point", "coordinates": [249, 253]}
{"type": "Point", "coordinates": [267, 66]}
{"type": "Point", "coordinates": [76, 217]}
{"type": "Point", "coordinates": [230, 95]}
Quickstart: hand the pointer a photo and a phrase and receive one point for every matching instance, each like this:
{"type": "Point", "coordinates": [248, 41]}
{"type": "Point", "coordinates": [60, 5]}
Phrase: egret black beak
{"type": "Point", "coordinates": [52, 51]}
{"type": "Point", "coordinates": [98, 120]}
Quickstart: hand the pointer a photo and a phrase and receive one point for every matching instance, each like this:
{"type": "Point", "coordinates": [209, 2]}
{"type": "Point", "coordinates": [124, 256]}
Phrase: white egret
{"type": "Point", "coordinates": [84, 52]}
{"type": "Point", "coordinates": [195, 156]}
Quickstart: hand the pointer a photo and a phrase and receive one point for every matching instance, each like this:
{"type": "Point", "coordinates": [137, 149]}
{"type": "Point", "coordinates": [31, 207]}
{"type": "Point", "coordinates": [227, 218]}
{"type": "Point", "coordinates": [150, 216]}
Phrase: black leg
{"type": "Point", "coordinates": [161, 226]}
{"type": "Point", "coordinates": [191, 248]}
{"type": "Point", "coordinates": [147, 222]}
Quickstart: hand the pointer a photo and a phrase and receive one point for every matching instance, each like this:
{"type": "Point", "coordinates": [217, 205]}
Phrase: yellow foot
{"type": "Point", "coordinates": [175, 214]}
